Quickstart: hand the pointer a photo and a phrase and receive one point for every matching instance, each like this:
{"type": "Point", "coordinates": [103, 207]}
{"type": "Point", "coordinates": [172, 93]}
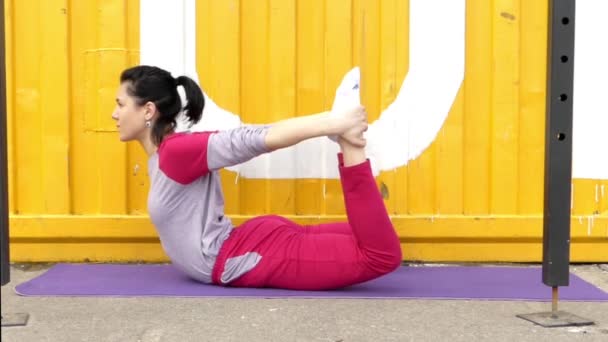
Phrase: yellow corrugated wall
{"type": "Point", "coordinates": [77, 193]}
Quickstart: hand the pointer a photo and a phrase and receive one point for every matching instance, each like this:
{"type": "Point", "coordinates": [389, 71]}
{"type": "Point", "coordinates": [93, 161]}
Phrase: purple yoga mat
{"type": "Point", "coordinates": [469, 282]}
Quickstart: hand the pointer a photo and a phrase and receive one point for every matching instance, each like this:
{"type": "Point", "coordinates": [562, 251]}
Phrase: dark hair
{"type": "Point", "coordinates": [149, 83]}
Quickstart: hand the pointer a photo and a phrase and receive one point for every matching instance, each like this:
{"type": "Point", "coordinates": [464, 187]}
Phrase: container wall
{"type": "Point", "coordinates": [475, 194]}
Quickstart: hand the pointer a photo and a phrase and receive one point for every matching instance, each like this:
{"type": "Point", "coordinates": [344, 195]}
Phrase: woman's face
{"type": "Point", "coordinates": [130, 117]}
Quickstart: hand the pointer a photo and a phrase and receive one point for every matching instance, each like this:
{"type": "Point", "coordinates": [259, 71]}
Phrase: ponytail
{"type": "Point", "coordinates": [194, 97]}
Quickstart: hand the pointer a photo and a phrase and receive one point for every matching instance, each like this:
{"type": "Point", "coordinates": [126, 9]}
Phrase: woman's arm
{"type": "Point", "coordinates": [238, 145]}
{"type": "Point", "coordinates": [289, 132]}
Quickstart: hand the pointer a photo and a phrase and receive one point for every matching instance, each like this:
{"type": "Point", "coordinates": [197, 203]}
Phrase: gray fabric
{"type": "Point", "coordinates": [239, 265]}
{"type": "Point", "coordinates": [236, 146]}
{"type": "Point", "coordinates": [190, 218]}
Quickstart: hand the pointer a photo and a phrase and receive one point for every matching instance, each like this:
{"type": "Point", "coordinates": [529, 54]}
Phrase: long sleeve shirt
{"type": "Point", "coordinates": [185, 201]}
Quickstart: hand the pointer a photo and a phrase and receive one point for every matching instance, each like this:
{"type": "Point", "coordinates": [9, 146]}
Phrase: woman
{"type": "Point", "coordinates": [186, 204]}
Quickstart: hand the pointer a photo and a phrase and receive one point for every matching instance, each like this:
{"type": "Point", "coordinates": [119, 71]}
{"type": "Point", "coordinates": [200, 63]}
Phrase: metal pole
{"type": "Point", "coordinates": [8, 319]}
{"type": "Point", "coordinates": [4, 245]}
{"type": "Point", "coordinates": [558, 143]}
{"type": "Point", "coordinates": [558, 162]}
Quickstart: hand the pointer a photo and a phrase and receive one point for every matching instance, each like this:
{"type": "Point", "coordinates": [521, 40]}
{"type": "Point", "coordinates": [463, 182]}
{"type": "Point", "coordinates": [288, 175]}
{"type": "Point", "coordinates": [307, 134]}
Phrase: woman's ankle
{"type": "Point", "coordinates": [351, 154]}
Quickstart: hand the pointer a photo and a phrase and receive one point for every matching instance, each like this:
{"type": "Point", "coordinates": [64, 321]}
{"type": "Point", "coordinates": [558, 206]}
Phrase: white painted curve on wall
{"type": "Point", "coordinates": [402, 132]}
{"type": "Point", "coordinates": [408, 126]}
{"type": "Point", "coordinates": [411, 123]}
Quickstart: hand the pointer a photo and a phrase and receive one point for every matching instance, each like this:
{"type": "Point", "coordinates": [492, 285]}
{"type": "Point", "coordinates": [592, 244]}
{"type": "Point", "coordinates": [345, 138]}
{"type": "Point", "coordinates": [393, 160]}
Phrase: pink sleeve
{"type": "Point", "coordinates": [183, 156]}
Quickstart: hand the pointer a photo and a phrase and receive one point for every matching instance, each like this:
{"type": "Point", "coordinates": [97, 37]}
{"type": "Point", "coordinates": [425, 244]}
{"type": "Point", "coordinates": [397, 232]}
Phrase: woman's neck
{"type": "Point", "coordinates": [148, 145]}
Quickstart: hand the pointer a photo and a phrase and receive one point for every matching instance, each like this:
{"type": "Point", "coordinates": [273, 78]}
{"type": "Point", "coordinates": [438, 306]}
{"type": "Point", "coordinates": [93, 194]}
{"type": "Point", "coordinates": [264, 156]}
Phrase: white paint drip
{"type": "Point", "coordinates": [597, 193]}
{"type": "Point", "coordinates": [571, 196]}
{"type": "Point", "coordinates": [590, 224]}
{"type": "Point", "coordinates": [410, 122]}
{"type": "Point", "coordinates": [324, 191]}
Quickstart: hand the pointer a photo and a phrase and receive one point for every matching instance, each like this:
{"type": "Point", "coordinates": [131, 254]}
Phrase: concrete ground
{"type": "Point", "coordinates": [320, 320]}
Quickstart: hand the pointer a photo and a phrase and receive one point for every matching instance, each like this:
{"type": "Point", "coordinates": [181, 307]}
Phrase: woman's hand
{"type": "Point", "coordinates": [350, 124]}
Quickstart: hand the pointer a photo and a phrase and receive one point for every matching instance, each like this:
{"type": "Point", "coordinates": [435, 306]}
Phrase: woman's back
{"type": "Point", "coordinates": [189, 217]}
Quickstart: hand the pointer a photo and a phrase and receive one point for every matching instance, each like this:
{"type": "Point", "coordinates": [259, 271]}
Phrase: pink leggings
{"type": "Point", "coordinates": [320, 257]}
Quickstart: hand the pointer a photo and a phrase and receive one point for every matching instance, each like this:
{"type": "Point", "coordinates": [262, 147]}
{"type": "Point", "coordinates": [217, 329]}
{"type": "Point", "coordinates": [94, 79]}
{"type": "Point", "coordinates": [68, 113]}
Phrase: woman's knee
{"type": "Point", "coordinates": [384, 261]}
{"type": "Point", "coordinates": [395, 259]}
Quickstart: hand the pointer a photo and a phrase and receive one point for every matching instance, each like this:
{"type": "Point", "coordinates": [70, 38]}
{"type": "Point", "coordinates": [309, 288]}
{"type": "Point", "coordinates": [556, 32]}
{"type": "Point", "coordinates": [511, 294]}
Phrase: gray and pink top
{"type": "Point", "coordinates": [186, 203]}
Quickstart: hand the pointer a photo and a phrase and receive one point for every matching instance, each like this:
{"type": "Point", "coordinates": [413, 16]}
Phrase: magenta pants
{"type": "Point", "coordinates": [325, 256]}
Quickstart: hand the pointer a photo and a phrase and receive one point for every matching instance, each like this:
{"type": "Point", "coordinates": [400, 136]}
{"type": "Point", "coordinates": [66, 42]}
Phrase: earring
{"type": "Point", "coordinates": [148, 124]}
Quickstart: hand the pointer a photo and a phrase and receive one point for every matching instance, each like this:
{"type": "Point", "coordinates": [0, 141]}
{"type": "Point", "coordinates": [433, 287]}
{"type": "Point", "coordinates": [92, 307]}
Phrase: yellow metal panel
{"type": "Point", "coordinates": [104, 39]}
{"type": "Point", "coordinates": [132, 18]}
{"type": "Point", "coordinates": [310, 87]}
{"type": "Point", "coordinates": [356, 20]}
{"type": "Point", "coordinates": [380, 80]}
{"type": "Point", "coordinates": [27, 106]}
{"type": "Point", "coordinates": [474, 195]}
{"type": "Point", "coordinates": [137, 160]}
{"type": "Point", "coordinates": [422, 182]}
{"type": "Point", "coordinates": [400, 190]}
{"type": "Point", "coordinates": [504, 106]}
{"type": "Point", "coordinates": [82, 142]}
{"type": "Point", "coordinates": [443, 238]}
{"type": "Point", "coordinates": [282, 90]}
{"type": "Point", "coordinates": [389, 85]}
{"type": "Point", "coordinates": [218, 31]}
{"type": "Point", "coordinates": [90, 250]}
{"type": "Point", "coordinates": [110, 59]}
{"type": "Point", "coordinates": [477, 108]}
{"type": "Point", "coordinates": [137, 179]}
{"type": "Point", "coordinates": [502, 251]}
{"type": "Point", "coordinates": [532, 82]}
{"type": "Point", "coordinates": [586, 197]}
{"type": "Point", "coordinates": [370, 58]}
{"type": "Point", "coordinates": [449, 190]}
{"type": "Point", "coordinates": [54, 111]}
{"type": "Point", "coordinates": [255, 92]}
{"type": "Point", "coordinates": [337, 52]}
{"type": "Point", "coordinates": [603, 196]}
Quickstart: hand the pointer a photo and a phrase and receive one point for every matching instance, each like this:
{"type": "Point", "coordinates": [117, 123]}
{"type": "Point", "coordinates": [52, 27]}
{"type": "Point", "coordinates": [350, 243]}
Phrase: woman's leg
{"type": "Point", "coordinates": [291, 258]}
{"type": "Point", "coordinates": [333, 228]}
{"type": "Point", "coordinates": [366, 211]}
{"type": "Point", "coordinates": [329, 228]}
